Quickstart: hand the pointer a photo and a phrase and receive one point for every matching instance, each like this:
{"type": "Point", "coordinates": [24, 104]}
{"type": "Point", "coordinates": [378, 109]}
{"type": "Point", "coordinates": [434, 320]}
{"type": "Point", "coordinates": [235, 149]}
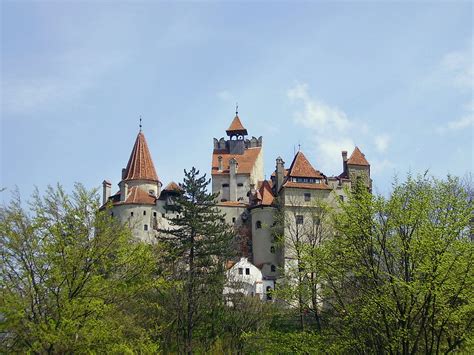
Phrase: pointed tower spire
{"type": "Point", "coordinates": [140, 165]}
{"type": "Point", "coordinates": [236, 128]}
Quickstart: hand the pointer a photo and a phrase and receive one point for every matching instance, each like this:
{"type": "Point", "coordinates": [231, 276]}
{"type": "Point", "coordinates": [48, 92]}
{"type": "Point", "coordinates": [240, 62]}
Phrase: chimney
{"type": "Point", "coordinates": [124, 192]}
{"type": "Point", "coordinates": [233, 166]}
{"type": "Point", "coordinates": [344, 163]}
{"type": "Point", "coordinates": [219, 163]}
{"type": "Point", "coordinates": [106, 186]}
{"type": "Point", "coordinates": [280, 173]}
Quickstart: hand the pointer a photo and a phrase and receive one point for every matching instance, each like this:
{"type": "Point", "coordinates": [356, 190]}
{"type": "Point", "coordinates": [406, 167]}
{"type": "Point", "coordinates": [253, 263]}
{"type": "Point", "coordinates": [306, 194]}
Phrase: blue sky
{"type": "Point", "coordinates": [394, 78]}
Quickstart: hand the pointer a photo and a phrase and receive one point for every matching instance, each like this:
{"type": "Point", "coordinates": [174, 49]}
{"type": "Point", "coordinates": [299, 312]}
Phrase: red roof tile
{"type": "Point", "coordinates": [140, 165]}
{"type": "Point", "coordinates": [172, 186]}
{"type": "Point", "coordinates": [266, 194]}
{"type": "Point", "coordinates": [135, 196]}
{"type": "Point", "coordinates": [245, 161]}
{"type": "Point", "coordinates": [301, 167]}
{"type": "Point", "coordinates": [305, 185]}
{"type": "Point", "coordinates": [358, 158]}
{"type": "Point", "coordinates": [236, 127]}
{"type": "Point", "coordinates": [232, 204]}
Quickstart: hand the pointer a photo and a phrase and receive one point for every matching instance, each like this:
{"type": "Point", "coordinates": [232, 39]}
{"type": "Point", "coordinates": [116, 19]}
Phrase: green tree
{"type": "Point", "coordinates": [398, 274]}
{"type": "Point", "coordinates": [67, 270]}
{"type": "Point", "coordinates": [198, 243]}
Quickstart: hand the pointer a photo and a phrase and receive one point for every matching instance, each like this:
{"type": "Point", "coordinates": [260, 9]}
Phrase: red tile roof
{"type": "Point", "coordinates": [136, 196]}
{"type": "Point", "coordinates": [301, 167]}
{"type": "Point", "coordinates": [358, 158]}
{"type": "Point", "coordinates": [305, 185]}
{"type": "Point", "coordinates": [140, 165]}
{"type": "Point", "coordinates": [232, 204]}
{"type": "Point", "coordinates": [236, 127]}
{"type": "Point", "coordinates": [172, 186]}
{"type": "Point", "coordinates": [245, 161]}
{"type": "Point", "coordinates": [266, 194]}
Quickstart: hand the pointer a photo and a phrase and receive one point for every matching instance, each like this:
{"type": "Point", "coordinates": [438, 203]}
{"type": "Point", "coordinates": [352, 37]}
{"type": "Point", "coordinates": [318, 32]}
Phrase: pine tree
{"type": "Point", "coordinates": [198, 244]}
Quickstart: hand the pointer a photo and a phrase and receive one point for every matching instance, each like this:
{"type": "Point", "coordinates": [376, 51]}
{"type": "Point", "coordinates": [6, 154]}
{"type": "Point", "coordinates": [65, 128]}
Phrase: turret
{"type": "Point", "coordinates": [280, 173]}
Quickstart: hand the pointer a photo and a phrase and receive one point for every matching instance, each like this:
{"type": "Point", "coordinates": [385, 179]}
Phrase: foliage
{"type": "Point", "coordinates": [398, 275]}
{"type": "Point", "coordinates": [198, 244]}
{"type": "Point", "coordinates": [66, 270]}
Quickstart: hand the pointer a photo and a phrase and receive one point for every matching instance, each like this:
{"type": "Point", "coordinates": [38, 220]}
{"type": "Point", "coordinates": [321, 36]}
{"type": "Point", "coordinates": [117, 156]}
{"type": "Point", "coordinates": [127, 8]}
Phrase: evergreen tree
{"type": "Point", "coordinates": [198, 244]}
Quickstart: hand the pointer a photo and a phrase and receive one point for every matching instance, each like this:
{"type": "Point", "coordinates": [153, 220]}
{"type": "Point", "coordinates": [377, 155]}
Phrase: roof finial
{"type": "Point", "coordinates": [140, 123]}
{"type": "Point", "coordinates": [236, 108]}
{"type": "Point", "coordinates": [299, 147]}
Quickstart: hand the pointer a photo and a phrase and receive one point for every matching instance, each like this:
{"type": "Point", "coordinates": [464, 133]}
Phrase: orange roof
{"type": "Point", "coordinates": [172, 186]}
{"type": "Point", "coordinates": [266, 194]}
{"type": "Point", "coordinates": [135, 196]}
{"type": "Point", "coordinates": [232, 204]}
{"type": "Point", "coordinates": [245, 161]}
{"type": "Point", "coordinates": [236, 127]}
{"type": "Point", "coordinates": [357, 158]}
{"type": "Point", "coordinates": [140, 165]}
{"type": "Point", "coordinates": [301, 167]}
{"type": "Point", "coordinates": [305, 185]}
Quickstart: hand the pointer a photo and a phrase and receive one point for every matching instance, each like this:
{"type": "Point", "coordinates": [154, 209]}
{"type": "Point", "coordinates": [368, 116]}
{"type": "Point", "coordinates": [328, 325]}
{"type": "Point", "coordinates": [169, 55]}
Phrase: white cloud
{"type": "Point", "coordinates": [332, 131]}
{"type": "Point", "coordinates": [463, 122]}
{"type": "Point", "coordinates": [459, 65]}
{"type": "Point", "coordinates": [378, 166]}
{"type": "Point", "coordinates": [316, 114]}
{"type": "Point", "coordinates": [381, 142]}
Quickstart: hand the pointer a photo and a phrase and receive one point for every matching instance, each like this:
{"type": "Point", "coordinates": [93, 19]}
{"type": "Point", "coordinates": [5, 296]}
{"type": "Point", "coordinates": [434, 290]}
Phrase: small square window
{"type": "Point", "coordinates": [307, 197]}
{"type": "Point", "coordinates": [154, 214]}
{"type": "Point", "coordinates": [241, 271]}
{"type": "Point", "coordinates": [272, 250]}
{"type": "Point", "coordinates": [273, 268]}
{"type": "Point", "coordinates": [258, 225]}
{"type": "Point", "coordinates": [225, 185]}
{"type": "Point", "coordinates": [233, 219]}
{"type": "Point", "coordinates": [144, 213]}
{"type": "Point", "coordinates": [131, 214]}
{"type": "Point", "coordinates": [240, 184]}
{"type": "Point", "coordinates": [247, 271]}
{"type": "Point", "coordinates": [163, 215]}
{"type": "Point", "coordinates": [145, 227]}
{"type": "Point", "coordinates": [299, 219]}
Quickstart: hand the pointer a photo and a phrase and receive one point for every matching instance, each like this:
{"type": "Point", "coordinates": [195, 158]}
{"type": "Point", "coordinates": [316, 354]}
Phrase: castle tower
{"type": "Point", "coordinates": [138, 199]}
{"type": "Point", "coordinates": [356, 168]}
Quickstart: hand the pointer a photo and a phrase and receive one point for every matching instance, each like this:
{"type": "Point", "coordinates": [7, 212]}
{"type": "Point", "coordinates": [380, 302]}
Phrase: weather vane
{"type": "Point", "coordinates": [236, 108]}
{"type": "Point", "coordinates": [140, 123]}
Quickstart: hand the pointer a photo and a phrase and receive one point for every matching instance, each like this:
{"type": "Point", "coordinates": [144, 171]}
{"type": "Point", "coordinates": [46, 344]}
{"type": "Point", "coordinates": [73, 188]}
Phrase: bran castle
{"type": "Point", "coordinates": [248, 200]}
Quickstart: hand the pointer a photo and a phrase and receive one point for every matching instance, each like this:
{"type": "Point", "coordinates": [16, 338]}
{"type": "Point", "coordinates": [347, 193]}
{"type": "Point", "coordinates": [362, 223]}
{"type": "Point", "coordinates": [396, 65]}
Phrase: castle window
{"type": "Point", "coordinates": [258, 225]}
{"type": "Point", "coordinates": [154, 214]}
{"type": "Point", "coordinates": [145, 227]}
{"type": "Point", "coordinates": [341, 198]}
{"type": "Point", "coordinates": [131, 214]}
{"type": "Point", "coordinates": [273, 268]}
{"type": "Point", "coordinates": [225, 185]}
{"type": "Point", "coordinates": [241, 270]}
{"type": "Point", "coordinates": [233, 219]}
{"type": "Point", "coordinates": [223, 200]}
{"type": "Point", "coordinates": [111, 214]}
{"type": "Point", "coordinates": [163, 215]}
{"type": "Point", "coordinates": [307, 197]}
{"type": "Point", "coordinates": [272, 250]}
{"type": "Point", "coordinates": [318, 181]}
{"type": "Point", "coordinates": [240, 184]}
{"type": "Point", "coordinates": [317, 221]}
{"type": "Point", "coordinates": [299, 219]}
{"type": "Point", "coordinates": [144, 213]}
{"type": "Point", "coordinates": [269, 293]}
{"type": "Point", "coordinates": [247, 271]}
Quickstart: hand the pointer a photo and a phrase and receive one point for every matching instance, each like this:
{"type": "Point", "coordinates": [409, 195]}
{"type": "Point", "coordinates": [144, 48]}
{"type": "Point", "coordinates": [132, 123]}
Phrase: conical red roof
{"type": "Point", "coordinates": [301, 167]}
{"type": "Point", "coordinates": [236, 127]}
{"type": "Point", "coordinates": [140, 165]}
{"type": "Point", "coordinates": [357, 158]}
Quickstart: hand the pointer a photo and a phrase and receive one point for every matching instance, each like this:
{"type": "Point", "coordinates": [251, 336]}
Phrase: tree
{"type": "Point", "coordinates": [198, 243]}
{"type": "Point", "coordinates": [398, 276]}
{"type": "Point", "coordinates": [301, 229]}
{"type": "Point", "coordinates": [67, 270]}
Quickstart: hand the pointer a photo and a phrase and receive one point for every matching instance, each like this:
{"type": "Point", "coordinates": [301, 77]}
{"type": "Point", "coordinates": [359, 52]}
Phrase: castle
{"type": "Point", "coordinates": [248, 200]}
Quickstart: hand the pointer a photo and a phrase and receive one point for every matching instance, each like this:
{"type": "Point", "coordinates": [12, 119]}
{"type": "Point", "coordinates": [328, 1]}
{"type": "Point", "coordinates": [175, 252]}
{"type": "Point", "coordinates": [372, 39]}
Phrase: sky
{"type": "Point", "coordinates": [393, 78]}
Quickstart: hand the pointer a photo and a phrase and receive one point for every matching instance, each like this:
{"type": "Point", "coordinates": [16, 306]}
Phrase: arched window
{"type": "Point", "coordinates": [144, 213]}
{"type": "Point", "coordinates": [258, 225]}
{"type": "Point", "coordinates": [272, 250]}
{"type": "Point", "coordinates": [273, 268]}
{"type": "Point", "coordinates": [145, 227]}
